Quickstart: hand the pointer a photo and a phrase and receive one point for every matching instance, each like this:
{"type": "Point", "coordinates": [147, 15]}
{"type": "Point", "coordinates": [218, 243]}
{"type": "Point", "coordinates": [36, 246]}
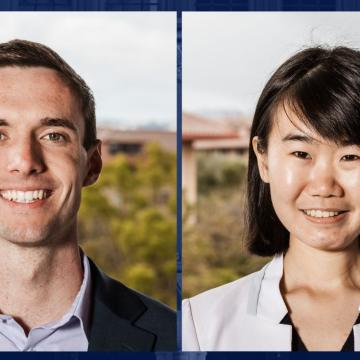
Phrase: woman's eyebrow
{"type": "Point", "coordinates": [297, 137]}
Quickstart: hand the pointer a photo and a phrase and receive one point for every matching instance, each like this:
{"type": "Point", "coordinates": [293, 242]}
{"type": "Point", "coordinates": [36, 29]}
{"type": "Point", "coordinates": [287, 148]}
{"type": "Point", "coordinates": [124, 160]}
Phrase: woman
{"type": "Point", "coordinates": [303, 209]}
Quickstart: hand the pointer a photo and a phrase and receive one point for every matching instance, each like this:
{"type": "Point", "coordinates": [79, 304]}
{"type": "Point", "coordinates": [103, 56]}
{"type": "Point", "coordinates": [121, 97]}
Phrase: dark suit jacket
{"type": "Point", "coordinates": [125, 320]}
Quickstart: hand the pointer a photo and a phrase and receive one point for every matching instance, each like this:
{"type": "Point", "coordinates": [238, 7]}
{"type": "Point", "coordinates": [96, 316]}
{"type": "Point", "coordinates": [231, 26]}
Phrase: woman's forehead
{"type": "Point", "coordinates": [287, 126]}
{"type": "Point", "coordinates": [285, 121]}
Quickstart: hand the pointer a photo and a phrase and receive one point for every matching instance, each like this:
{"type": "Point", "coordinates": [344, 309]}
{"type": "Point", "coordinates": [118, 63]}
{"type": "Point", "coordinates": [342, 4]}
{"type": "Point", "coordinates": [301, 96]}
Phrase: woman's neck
{"type": "Point", "coordinates": [321, 270]}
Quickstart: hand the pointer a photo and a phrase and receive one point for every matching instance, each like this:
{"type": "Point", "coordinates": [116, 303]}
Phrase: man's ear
{"type": "Point", "coordinates": [262, 159]}
{"type": "Point", "coordinates": [94, 164]}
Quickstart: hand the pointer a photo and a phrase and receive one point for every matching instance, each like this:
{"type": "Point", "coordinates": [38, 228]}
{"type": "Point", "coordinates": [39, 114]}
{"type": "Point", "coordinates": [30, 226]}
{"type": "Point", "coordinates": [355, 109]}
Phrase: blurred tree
{"type": "Point", "coordinates": [214, 248]}
{"type": "Point", "coordinates": [128, 222]}
{"type": "Point", "coordinates": [220, 171]}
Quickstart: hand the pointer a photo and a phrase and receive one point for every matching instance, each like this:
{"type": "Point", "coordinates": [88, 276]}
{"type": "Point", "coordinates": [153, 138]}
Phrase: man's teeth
{"type": "Point", "coordinates": [321, 214]}
{"type": "Point", "coordinates": [24, 196]}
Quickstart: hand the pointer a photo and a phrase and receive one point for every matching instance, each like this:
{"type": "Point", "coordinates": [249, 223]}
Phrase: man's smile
{"type": "Point", "coordinates": [25, 197]}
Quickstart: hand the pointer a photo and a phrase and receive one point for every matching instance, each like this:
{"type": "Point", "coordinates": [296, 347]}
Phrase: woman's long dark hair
{"type": "Point", "coordinates": [322, 87]}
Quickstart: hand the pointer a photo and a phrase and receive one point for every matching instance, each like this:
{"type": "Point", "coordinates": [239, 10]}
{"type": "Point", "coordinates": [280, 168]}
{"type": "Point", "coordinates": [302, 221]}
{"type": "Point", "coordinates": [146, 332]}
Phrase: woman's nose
{"type": "Point", "coordinates": [323, 181]}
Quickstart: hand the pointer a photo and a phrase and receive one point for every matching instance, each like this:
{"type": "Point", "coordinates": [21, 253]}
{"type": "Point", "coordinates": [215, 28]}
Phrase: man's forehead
{"type": "Point", "coordinates": [38, 89]}
{"type": "Point", "coordinates": [14, 71]}
{"type": "Point", "coordinates": [36, 77]}
{"type": "Point", "coordinates": [37, 80]}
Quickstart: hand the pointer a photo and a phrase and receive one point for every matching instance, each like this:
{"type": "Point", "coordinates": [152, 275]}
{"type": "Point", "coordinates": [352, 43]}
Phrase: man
{"type": "Point", "coordinates": [52, 297]}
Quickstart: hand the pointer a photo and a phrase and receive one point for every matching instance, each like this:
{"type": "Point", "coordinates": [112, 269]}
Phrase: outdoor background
{"type": "Point", "coordinates": [128, 218]}
{"type": "Point", "coordinates": [227, 59]}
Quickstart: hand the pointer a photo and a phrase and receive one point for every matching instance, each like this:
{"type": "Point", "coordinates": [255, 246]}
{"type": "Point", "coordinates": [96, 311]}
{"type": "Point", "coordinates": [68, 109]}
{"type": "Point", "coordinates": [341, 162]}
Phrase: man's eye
{"type": "Point", "coordinates": [2, 136]}
{"type": "Point", "coordinates": [55, 137]}
{"type": "Point", "coordinates": [350, 157]}
{"type": "Point", "coordinates": [301, 155]}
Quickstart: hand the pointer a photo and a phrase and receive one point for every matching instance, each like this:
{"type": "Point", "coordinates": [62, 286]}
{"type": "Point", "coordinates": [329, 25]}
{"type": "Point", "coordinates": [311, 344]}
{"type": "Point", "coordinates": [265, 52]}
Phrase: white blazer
{"type": "Point", "coordinates": [243, 315]}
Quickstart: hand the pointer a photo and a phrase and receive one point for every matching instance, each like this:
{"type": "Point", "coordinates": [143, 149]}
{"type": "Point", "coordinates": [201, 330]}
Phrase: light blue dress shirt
{"type": "Point", "coordinates": [70, 333]}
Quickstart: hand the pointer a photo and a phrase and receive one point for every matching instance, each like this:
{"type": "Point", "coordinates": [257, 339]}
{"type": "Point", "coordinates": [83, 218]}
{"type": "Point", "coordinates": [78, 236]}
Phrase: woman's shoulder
{"type": "Point", "coordinates": [226, 292]}
{"type": "Point", "coordinates": [204, 315]}
{"type": "Point", "coordinates": [241, 286]}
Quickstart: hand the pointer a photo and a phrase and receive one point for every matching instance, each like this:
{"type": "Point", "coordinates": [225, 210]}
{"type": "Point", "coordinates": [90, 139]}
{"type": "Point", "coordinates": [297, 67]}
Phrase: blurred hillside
{"type": "Point", "coordinates": [128, 221]}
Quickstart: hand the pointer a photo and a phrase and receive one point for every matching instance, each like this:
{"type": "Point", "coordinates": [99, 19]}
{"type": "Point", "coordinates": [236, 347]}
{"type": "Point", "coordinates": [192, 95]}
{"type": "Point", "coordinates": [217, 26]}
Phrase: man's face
{"type": "Point", "coordinates": [43, 164]}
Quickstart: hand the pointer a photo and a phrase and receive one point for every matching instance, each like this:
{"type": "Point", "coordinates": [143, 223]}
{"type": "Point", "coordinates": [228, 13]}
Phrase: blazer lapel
{"type": "Point", "coordinates": [266, 309]}
{"type": "Point", "coordinates": [115, 311]}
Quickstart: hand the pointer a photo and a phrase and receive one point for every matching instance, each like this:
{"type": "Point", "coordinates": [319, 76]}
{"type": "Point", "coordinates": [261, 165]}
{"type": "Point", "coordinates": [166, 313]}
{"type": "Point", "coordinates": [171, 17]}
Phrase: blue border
{"type": "Point", "coordinates": [179, 5]}
{"type": "Point", "coordinates": [85, 355]}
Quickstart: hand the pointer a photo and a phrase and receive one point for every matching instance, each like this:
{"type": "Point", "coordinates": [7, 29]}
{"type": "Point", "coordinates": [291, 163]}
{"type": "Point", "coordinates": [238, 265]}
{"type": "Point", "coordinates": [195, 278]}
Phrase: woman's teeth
{"type": "Point", "coordinates": [321, 214]}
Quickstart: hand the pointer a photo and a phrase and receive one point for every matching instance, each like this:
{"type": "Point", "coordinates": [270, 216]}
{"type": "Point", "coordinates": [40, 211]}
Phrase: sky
{"type": "Point", "coordinates": [127, 58]}
{"type": "Point", "coordinates": [228, 57]}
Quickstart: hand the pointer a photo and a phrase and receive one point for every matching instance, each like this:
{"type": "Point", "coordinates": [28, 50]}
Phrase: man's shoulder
{"type": "Point", "coordinates": [156, 312]}
{"type": "Point", "coordinates": [155, 307]}
{"type": "Point", "coordinates": [159, 319]}
{"type": "Point", "coordinates": [124, 308]}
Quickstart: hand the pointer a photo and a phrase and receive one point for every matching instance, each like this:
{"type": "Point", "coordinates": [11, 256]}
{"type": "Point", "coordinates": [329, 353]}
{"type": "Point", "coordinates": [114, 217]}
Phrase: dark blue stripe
{"type": "Point", "coordinates": [180, 5]}
{"type": "Point", "coordinates": [179, 172]}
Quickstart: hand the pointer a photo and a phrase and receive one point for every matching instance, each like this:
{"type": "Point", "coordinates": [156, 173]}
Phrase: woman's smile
{"type": "Point", "coordinates": [324, 216]}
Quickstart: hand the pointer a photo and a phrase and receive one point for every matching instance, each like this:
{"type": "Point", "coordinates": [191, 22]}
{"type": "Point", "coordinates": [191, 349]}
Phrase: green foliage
{"type": "Point", "coordinates": [128, 222]}
{"type": "Point", "coordinates": [220, 171]}
{"type": "Point", "coordinates": [214, 247]}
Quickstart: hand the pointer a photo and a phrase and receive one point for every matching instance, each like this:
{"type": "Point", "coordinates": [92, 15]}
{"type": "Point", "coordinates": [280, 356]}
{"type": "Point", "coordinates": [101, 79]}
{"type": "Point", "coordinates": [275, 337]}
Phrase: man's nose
{"type": "Point", "coordinates": [25, 157]}
{"type": "Point", "coordinates": [323, 181]}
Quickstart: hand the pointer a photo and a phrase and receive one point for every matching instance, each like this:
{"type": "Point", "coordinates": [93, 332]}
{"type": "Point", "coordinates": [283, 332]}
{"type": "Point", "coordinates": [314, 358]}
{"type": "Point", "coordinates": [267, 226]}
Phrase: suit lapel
{"type": "Point", "coordinates": [114, 313]}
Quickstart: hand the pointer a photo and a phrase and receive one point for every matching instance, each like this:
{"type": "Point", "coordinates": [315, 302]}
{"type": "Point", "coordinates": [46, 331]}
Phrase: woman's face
{"type": "Point", "coordinates": [314, 184]}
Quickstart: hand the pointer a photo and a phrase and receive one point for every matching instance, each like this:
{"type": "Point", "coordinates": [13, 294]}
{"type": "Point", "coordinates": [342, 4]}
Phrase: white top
{"type": "Point", "coordinates": [243, 315]}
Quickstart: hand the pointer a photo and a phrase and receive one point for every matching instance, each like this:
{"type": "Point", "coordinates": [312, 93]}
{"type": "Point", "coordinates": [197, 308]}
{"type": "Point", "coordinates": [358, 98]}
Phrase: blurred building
{"type": "Point", "coordinates": [201, 133]}
{"type": "Point", "coordinates": [133, 142]}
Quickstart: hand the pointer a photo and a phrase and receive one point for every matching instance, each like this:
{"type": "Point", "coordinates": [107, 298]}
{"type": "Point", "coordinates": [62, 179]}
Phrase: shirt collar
{"type": "Point", "coordinates": [80, 308]}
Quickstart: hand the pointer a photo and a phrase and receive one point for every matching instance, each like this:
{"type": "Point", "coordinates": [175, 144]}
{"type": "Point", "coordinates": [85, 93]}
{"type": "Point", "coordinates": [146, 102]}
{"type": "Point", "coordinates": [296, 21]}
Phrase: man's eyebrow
{"type": "Point", "coordinates": [57, 122]}
{"type": "Point", "coordinates": [49, 122]}
{"type": "Point", "coordinates": [297, 137]}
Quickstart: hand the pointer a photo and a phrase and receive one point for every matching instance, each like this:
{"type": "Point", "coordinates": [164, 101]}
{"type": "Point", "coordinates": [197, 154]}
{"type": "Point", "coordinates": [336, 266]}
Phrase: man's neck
{"type": "Point", "coordinates": [38, 284]}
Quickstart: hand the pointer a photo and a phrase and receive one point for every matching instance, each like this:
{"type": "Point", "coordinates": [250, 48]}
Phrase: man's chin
{"type": "Point", "coordinates": [26, 237]}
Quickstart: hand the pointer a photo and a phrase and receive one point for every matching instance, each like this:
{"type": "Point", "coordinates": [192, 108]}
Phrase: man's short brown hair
{"type": "Point", "coordinates": [25, 53]}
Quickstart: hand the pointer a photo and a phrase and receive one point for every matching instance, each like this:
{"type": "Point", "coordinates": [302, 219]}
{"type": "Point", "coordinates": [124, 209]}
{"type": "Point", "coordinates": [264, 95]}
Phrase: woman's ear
{"type": "Point", "coordinates": [94, 164]}
{"type": "Point", "coordinates": [262, 159]}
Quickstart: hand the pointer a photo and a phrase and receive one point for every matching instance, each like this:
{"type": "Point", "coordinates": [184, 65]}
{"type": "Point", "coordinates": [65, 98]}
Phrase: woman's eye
{"type": "Point", "coordinates": [350, 157]}
{"type": "Point", "coordinates": [2, 136]}
{"type": "Point", "coordinates": [55, 137]}
{"type": "Point", "coordinates": [301, 155]}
